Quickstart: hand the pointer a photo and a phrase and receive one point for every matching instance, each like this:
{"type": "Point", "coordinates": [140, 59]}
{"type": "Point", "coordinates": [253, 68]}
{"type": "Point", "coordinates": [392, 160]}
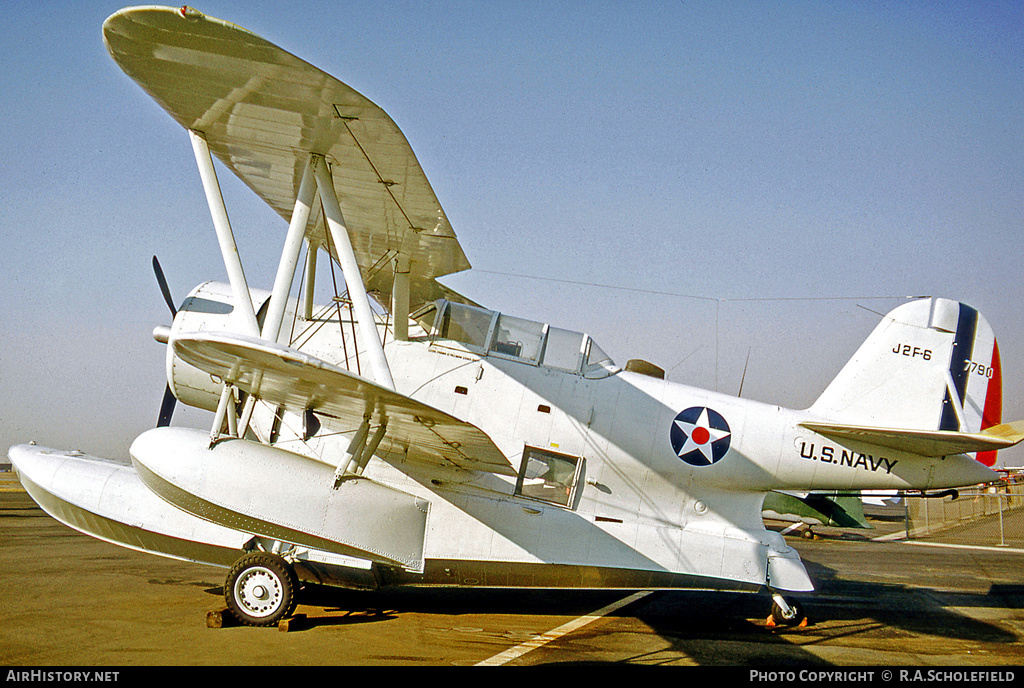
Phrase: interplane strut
{"type": "Point", "coordinates": [316, 179]}
{"type": "Point", "coordinates": [225, 237]}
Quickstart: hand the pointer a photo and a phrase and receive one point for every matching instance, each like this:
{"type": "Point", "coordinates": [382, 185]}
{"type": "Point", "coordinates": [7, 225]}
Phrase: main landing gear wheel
{"type": "Point", "coordinates": [261, 589]}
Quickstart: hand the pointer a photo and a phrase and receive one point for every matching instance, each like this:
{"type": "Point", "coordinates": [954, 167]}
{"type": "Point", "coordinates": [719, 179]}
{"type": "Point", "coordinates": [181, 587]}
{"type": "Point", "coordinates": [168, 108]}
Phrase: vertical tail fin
{"type": "Point", "coordinates": [931, 364]}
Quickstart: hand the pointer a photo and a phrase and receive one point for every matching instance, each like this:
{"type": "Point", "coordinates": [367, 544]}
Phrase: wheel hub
{"type": "Point", "coordinates": [258, 591]}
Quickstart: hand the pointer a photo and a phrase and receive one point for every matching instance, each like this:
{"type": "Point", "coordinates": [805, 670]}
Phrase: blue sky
{"type": "Point", "coordinates": [707, 181]}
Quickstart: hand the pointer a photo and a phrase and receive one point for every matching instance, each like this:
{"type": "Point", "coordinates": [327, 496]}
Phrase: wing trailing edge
{"type": "Point", "coordinates": [299, 382]}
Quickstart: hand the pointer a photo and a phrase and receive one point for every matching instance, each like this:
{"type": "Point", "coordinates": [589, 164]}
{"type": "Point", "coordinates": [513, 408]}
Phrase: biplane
{"type": "Point", "coordinates": [403, 434]}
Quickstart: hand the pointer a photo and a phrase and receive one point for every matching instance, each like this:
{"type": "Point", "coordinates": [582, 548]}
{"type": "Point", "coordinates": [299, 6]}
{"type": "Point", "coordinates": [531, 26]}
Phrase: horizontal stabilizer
{"type": "Point", "coordinates": [926, 442]}
{"type": "Point", "coordinates": [283, 376]}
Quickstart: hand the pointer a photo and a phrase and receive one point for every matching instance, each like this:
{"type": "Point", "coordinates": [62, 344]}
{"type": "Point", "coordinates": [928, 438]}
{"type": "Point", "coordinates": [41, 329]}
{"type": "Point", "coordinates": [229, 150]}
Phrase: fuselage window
{"type": "Point", "coordinates": [564, 349]}
{"type": "Point", "coordinates": [518, 338]}
{"type": "Point", "coordinates": [548, 476]}
{"type": "Point", "coordinates": [488, 332]}
{"type": "Point", "coordinates": [466, 324]}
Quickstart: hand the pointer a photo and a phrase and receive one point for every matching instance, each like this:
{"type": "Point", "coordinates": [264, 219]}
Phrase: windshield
{"type": "Point", "coordinates": [493, 334]}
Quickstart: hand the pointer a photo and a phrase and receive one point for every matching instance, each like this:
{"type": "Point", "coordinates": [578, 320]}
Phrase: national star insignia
{"type": "Point", "coordinates": [702, 440]}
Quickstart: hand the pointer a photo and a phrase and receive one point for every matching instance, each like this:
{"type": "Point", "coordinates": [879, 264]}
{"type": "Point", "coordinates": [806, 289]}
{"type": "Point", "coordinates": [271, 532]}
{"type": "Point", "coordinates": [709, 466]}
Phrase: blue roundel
{"type": "Point", "coordinates": [700, 436]}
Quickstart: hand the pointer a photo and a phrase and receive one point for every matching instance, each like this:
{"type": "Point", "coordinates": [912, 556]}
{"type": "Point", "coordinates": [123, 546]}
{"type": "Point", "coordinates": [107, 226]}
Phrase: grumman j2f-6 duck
{"type": "Point", "coordinates": [431, 441]}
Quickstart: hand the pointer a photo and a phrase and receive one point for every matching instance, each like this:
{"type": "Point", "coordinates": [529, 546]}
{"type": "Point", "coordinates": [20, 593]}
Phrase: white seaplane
{"type": "Point", "coordinates": [431, 441]}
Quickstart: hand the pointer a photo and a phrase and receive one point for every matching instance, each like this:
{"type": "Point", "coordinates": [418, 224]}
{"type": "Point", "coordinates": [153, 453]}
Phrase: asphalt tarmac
{"type": "Point", "coordinates": [955, 600]}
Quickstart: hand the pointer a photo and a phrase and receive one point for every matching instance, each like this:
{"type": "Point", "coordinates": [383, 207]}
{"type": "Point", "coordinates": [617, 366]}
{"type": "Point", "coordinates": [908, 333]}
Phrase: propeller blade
{"type": "Point", "coordinates": [162, 281]}
{"type": "Point", "coordinates": [166, 408]}
{"type": "Point", "coordinates": [169, 402]}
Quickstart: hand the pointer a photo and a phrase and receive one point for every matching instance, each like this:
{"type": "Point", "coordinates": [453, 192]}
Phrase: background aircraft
{"type": "Point", "coordinates": [810, 509]}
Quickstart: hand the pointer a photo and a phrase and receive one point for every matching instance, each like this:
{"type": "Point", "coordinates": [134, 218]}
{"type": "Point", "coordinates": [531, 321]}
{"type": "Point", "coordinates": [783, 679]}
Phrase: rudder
{"type": "Point", "coordinates": [974, 394]}
{"type": "Point", "coordinates": [931, 364]}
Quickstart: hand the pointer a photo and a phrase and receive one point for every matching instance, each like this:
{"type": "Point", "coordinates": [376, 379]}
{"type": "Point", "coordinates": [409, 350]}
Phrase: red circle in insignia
{"type": "Point", "coordinates": [700, 435]}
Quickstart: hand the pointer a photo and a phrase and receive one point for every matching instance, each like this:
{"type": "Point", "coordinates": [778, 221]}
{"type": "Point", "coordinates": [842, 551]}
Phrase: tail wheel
{"type": "Point", "coordinates": [794, 616]}
{"type": "Point", "coordinates": [261, 589]}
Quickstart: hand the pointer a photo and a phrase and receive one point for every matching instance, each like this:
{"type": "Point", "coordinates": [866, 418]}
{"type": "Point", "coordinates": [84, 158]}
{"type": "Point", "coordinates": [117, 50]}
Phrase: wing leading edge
{"type": "Point", "coordinates": [263, 111]}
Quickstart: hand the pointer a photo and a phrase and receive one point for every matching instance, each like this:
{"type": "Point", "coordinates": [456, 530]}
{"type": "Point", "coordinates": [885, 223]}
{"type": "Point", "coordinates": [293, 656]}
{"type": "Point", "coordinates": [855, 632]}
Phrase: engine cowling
{"type": "Point", "coordinates": [207, 308]}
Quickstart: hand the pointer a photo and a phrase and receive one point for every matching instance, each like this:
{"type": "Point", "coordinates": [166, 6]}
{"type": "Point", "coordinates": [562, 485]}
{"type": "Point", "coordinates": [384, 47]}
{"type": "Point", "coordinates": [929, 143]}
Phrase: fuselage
{"type": "Point", "coordinates": [617, 470]}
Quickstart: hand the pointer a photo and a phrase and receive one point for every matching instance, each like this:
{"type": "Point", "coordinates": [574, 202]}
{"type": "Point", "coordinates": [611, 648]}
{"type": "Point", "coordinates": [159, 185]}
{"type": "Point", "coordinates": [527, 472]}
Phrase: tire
{"type": "Point", "coordinates": [261, 589]}
{"type": "Point", "coordinates": [795, 618]}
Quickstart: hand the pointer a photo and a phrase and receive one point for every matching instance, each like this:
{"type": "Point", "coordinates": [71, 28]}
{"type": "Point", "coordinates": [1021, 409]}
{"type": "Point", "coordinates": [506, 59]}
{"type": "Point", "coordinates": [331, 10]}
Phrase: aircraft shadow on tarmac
{"type": "Point", "coordinates": [326, 606]}
{"type": "Point", "coordinates": [725, 628]}
{"type": "Point", "coordinates": [864, 614]}
{"type": "Point", "coordinates": [918, 610]}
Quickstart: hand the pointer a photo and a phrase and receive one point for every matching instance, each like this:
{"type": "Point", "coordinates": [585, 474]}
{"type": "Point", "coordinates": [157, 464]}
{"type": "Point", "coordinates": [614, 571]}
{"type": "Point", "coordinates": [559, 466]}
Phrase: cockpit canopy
{"type": "Point", "coordinates": [490, 333]}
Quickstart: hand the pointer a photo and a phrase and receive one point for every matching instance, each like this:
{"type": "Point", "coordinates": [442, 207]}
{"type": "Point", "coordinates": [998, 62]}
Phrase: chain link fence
{"type": "Point", "coordinates": [926, 516]}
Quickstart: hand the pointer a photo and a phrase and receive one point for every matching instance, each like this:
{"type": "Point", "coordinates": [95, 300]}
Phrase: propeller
{"type": "Point", "coordinates": [169, 401]}
{"type": "Point", "coordinates": [166, 408]}
{"type": "Point", "coordinates": [162, 281]}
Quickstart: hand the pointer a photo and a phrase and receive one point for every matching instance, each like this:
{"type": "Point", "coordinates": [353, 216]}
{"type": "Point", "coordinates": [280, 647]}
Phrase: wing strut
{"type": "Point", "coordinates": [400, 298]}
{"type": "Point", "coordinates": [225, 410]}
{"type": "Point", "coordinates": [309, 278]}
{"type": "Point", "coordinates": [359, 451]}
{"type": "Point", "coordinates": [283, 281]}
{"type": "Point", "coordinates": [290, 255]}
{"type": "Point", "coordinates": [353, 280]}
{"type": "Point", "coordinates": [225, 237]}
{"type": "Point", "coordinates": [316, 177]}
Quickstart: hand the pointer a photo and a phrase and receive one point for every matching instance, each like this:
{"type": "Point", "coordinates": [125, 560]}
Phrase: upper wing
{"type": "Point", "coordinates": [284, 376]}
{"type": "Point", "coordinates": [263, 111]}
